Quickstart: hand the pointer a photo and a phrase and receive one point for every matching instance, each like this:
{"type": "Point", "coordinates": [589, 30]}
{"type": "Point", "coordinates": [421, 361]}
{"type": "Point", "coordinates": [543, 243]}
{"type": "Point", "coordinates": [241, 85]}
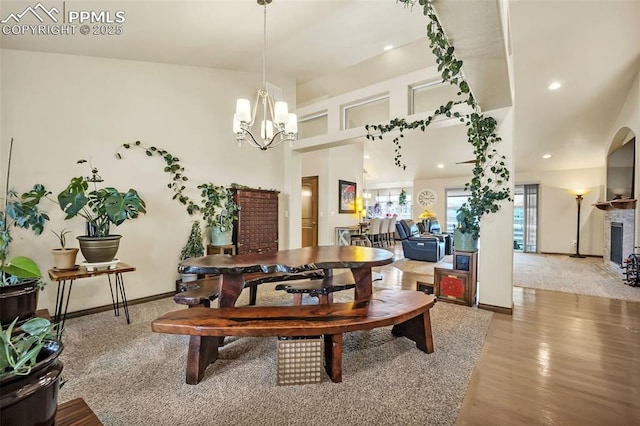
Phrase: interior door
{"type": "Point", "coordinates": [309, 211]}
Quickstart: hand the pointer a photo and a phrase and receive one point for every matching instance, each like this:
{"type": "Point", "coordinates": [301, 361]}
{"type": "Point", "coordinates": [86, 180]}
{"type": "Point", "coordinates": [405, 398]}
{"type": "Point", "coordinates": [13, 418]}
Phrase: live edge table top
{"type": "Point", "coordinates": [297, 260]}
{"type": "Point", "coordinates": [359, 259]}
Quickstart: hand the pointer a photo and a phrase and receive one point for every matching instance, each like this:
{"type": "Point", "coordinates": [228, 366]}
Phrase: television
{"type": "Point", "coordinates": [620, 172]}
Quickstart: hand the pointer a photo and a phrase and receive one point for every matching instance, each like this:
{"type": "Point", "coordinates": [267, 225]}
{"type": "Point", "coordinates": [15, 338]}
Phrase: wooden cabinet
{"type": "Point", "coordinates": [256, 230]}
{"type": "Point", "coordinates": [458, 282]}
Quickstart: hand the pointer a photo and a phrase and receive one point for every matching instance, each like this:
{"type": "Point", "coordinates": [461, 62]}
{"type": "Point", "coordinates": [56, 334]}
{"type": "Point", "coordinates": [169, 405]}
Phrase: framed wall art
{"type": "Point", "coordinates": [346, 196]}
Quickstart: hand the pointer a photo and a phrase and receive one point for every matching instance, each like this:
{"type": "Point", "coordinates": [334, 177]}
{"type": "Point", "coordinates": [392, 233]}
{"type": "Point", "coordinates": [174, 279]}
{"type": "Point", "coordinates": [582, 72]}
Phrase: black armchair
{"type": "Point", "coordinates": [417, 247]}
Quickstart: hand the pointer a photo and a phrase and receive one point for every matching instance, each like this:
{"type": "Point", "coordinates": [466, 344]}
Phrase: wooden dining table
{"type": "Point", "coordinates": [358, 259]}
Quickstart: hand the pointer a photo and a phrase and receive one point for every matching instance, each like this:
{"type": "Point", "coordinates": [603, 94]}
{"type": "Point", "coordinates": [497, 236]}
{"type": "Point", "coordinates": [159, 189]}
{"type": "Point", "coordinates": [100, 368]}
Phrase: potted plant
{"type": "Point", "coordinates": [219, 212]}
{"type": "Point", "coordinates": [193, 248]}
{"type": "Point", "coordinates": [19, 276]}
{"type": "Point", "coordinates": [402, 198]}
{"type": "Point", "coordinates": [29, 373]}
{"type": "Point", "coordinates": [488, 186]}
{"type": "Point", "coordinates": [100, 207]}
{"type": "Point", "coordinates": [64, 258]}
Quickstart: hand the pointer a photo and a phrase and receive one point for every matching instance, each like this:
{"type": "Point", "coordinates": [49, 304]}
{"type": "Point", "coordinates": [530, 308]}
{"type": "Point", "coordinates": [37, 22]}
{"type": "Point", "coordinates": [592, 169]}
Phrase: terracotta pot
{"type": "Point", "coordinates": [64, 259]}
{"type": "Point", "coordinates": [18, 300]}
{"type": "Point", "coordinates": [33, 399]}
{"type": "Point", "coordinates": [99, 249]}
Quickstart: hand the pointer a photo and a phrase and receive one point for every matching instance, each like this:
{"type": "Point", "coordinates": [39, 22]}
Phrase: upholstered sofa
{"type": "Point", "coordinates": [417, 247]}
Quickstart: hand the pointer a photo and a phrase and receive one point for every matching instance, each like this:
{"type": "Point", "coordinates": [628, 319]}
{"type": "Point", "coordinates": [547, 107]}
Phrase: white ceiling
{"type": "Point", "coordinates": [592, 47]}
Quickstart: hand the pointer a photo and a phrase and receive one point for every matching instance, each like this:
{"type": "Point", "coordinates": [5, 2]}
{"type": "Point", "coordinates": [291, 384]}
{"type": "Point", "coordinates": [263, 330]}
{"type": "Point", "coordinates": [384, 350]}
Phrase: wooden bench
{"type": "Point", "coordinates": [406, 310]}
{"type": "Point", "coordinates": [202, 291]}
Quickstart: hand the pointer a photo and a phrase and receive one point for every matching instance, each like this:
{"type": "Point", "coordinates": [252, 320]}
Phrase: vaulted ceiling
{"type": "Point", "coordinates": [334, 46]}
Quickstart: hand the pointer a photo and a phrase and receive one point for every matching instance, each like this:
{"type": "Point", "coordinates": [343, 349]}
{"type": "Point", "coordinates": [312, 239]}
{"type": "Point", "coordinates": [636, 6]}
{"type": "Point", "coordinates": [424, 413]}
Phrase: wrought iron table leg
{"type": "Point", "coordinates": [60, 315]}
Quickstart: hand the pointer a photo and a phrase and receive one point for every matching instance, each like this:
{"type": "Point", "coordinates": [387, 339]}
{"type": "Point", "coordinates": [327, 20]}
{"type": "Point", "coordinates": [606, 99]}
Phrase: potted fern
{"type": "Point", "coordinates": [29, 373]}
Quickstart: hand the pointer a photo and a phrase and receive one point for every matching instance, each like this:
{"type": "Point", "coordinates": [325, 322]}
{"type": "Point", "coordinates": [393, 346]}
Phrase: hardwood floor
{"type": "Point", "coordinates": [560, 359]}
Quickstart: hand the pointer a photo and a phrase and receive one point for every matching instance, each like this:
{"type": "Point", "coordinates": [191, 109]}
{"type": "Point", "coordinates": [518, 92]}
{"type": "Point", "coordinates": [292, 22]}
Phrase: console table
{"type": "Point", "coordinates": [64, 293]}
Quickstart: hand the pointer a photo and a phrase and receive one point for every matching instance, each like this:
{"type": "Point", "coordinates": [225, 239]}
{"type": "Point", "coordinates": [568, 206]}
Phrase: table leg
{"type": "Point", "coordinates": [231, 286]}
{"type": "Point", "coordinates": [364, 282]}
{"type": "Point", "coordinates": [333, 356]}
{"type": "Point", "coordinates": [119, 292]}
{"type": "Point", "coordinates": [120, 283]}
{"type": "Point", "coordinates": [114, 300]}
{"type": "Point", "coordinates": [60, 315]}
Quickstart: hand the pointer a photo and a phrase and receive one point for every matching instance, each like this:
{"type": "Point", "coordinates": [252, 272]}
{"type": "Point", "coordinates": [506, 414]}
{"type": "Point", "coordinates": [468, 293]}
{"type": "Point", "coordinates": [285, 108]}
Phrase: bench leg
{"type": "Point", "coordinates": [253, 294]}
{"type": "Point", "coordinates": [333, 356]}
{"type": "Point", "coordinates": [203, 350]}
{"type": "Point", "coordinates": [297, 299]}
{"type": "Point", "coordinates": [417, 329]}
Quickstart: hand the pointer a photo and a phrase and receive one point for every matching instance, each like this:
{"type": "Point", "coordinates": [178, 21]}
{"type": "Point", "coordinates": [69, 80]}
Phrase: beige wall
{"type": "Point", "coordinates": [332, 165]}
{"type": "Point", "coordinates": [60, 108]}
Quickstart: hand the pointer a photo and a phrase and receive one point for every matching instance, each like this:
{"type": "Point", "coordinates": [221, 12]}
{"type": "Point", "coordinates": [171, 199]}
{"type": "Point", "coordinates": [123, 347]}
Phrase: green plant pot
{"type": "Point", "coordinates": [33, 399]}
{"type": "Point", "coordinates": [99, 249]}
{"type": "Point", "coordinates": [464, 242]}
{"type": "Point", "coordinates": [219, 238]}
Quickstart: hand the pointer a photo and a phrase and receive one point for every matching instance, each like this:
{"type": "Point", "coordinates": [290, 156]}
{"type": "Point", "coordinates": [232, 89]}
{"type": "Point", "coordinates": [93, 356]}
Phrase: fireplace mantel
{"type": "Point", "coordinates": [626, 203]}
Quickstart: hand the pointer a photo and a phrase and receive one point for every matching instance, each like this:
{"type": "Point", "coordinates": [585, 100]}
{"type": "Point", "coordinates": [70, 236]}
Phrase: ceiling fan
{"type": "Point", "coordinates": [467, 162]}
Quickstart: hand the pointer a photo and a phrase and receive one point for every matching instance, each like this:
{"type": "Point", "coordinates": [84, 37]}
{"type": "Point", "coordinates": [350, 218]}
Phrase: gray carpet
{"type": "Point", "coordinates": [563, 273]}
{"type": "Point", "coordinates": [131, 376]}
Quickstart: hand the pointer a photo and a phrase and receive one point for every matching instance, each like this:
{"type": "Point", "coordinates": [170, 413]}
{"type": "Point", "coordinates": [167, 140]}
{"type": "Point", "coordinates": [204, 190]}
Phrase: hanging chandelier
{"type": "Point", "coordinates": [277, 124]}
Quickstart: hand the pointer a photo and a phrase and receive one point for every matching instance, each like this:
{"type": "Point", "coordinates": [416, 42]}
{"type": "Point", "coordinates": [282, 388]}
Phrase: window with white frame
{"type": "Point", "coordinates": [313, 125]}
{"type": "Point", "coordinates": [372, 110]}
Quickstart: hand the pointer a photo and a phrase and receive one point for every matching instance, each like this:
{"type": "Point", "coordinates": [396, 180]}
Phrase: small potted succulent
{"type": "Point", "coordinates": [64, 258]}
{"type": "Point", "coordinates": [29, 373]}
{"type": "Point", "coordinates": [100, 207]}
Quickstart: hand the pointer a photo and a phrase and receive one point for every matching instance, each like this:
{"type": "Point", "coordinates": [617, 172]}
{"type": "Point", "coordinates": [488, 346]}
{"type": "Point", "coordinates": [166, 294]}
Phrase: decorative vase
{"type": "Point", "coordinates": [221, 238]}
{"type": "Point", "coordinates": [32, 399]}
{"type": "Point", "coordinates": [464, 242]}
{"type": "Point", "coordinates": [99, 249]}
{"type": "Point", "coordinates": [64, 259]}
{"type": "Point", "coordinates": [18, 300]}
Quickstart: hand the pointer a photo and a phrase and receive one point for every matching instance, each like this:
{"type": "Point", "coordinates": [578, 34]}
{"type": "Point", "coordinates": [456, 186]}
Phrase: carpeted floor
{"type": "Point", "coordinates": [554, 272]}
{"type": "Point", "coordinates": [131, 376]}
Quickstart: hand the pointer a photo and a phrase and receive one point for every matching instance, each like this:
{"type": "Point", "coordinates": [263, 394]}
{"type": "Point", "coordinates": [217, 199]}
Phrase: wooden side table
{"type": "Point", "coordinates": [75, 413]}
{"type": "Point", "coordinates": [211, 249]}
{"type": "Point", "coordinates": [454, 285]}
{"type": "Point", "coordinates": [64, 293]}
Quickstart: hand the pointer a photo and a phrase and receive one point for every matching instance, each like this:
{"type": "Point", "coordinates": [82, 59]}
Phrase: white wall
{"type": "Point", "coordinates": [332, 165]}
{"type": "Point", "coordinates": [630, 118]}
{"type": "Point", "coordinates": [60, 108]}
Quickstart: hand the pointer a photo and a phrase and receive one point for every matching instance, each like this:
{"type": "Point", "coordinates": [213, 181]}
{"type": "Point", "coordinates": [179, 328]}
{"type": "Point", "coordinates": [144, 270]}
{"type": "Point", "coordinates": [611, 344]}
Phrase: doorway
{"type": "Point", "coordinates": [309, 211]}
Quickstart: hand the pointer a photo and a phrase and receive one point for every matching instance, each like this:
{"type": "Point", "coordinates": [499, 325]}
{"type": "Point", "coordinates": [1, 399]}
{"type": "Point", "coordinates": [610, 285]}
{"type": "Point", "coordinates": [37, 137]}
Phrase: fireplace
{"type": "Point", "coordinates": [619, 236]}
{"type": "Point", "coordinates": [616, 242]}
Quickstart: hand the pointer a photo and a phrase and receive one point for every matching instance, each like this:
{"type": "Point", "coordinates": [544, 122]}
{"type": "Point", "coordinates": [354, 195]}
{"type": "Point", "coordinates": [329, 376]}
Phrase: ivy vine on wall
{"type": "Point", "coordinates": [488, 186]}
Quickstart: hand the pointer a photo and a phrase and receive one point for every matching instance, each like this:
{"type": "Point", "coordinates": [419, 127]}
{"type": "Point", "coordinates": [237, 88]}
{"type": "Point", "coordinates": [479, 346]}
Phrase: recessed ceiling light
{"type": "Point", "coordinates": [441, 166]}
{"type": "Point", "coordinates": [389, 47]}
{"type": "Point", "coordinates": [366, 156]}
{"type": "Point", "coordinates": [555, 85]}
{"type": "Point", "coordinates": [545, 156]}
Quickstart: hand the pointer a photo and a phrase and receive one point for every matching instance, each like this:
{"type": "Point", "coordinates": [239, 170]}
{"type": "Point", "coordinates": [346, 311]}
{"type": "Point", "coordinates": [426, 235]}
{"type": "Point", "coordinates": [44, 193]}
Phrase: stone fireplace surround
{"type": "Point", "coordinates": [627, 217]}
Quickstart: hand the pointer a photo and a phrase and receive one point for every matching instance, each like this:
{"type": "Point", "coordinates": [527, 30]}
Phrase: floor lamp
{"type": "Point", "coordinates": [578, 193]}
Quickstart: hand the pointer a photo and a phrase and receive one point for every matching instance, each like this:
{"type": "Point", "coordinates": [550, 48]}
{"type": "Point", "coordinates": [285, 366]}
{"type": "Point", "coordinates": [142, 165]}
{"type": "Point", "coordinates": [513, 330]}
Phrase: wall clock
{"type": "Point", "coordinates": [427, 198]}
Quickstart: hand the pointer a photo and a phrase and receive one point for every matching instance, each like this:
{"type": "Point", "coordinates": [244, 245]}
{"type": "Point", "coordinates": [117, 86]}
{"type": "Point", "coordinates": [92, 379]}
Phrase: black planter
{"type": "Point", "coordinates": [33, 399]}
{"type": "Point", "coordinates": [18, 300]}
{"type": "Point", "coordinates": [99, 249]}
